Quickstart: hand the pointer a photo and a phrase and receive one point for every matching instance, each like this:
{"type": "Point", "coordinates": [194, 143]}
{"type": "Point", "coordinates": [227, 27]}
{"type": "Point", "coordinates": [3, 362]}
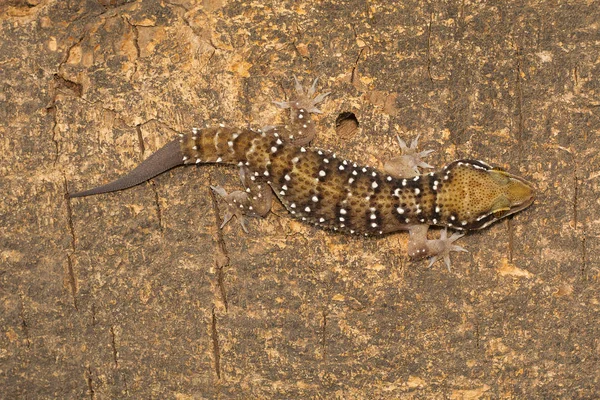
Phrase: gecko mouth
{"type": "Point", "coordinates": [520, 192]}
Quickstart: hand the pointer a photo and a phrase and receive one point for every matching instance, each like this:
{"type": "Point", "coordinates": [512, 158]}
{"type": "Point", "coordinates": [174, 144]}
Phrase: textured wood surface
{"type": "Point", "coordinates": [138, 294]}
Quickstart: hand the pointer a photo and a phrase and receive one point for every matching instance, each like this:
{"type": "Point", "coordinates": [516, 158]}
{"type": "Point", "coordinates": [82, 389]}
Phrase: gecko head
{"type": "Point", "coordinates": [479, 194]}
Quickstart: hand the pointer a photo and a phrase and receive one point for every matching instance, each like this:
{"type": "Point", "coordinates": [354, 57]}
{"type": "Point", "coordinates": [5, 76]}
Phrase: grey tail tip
{"type": "Point", "coordinates": [167, 157]}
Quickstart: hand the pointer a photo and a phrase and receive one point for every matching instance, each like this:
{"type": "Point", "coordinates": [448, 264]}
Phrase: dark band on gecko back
{"type": "Point", "coordinates": [167, 157]}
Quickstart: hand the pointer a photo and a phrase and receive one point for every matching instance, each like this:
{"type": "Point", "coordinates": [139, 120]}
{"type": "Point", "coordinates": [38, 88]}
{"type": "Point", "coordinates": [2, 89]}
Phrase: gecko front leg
{"type": "Point", "coordinates": [254, 201]}
{"type": "Point", "coordinates": [302, 128]}
{"type": "Point", "coordinates": [407, 164]}
{"type": "Point", "coordinates": [419, 246]}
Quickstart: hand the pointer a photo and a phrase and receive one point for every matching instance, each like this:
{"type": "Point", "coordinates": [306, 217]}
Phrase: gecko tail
{"type": "Point", "coordinates": [164, 159]}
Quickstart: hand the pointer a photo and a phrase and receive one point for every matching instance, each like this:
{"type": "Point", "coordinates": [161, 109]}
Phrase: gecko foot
{"type": "Point", "coordinates": [408, 163]}
{"type": "Point", "coordinates": [419, 246]}
{"type": "Point", "coordinates": [237, 204]}
{"type": "Point", "coordinates": [444, 246]}
{"type": "Point", "coordinates": [302, 129]}
{"type": "Point", "coordinates": [304, 98]}
{"type": "Point", "coordinates": [255, 201]}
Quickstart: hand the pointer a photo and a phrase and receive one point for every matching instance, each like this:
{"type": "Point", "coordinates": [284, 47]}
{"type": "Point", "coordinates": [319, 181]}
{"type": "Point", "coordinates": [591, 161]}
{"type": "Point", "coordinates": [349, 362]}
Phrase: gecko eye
{"type": "Point", "coordinates": [499, 177]}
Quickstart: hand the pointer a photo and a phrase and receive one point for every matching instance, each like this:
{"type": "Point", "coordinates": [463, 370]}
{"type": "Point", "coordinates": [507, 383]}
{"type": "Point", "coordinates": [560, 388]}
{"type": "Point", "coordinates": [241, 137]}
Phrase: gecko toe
{"type": "Point", "coordinates": [219, 190]}
{"type": "Point", "coordinates": [304, 99]}
{"type": "Point", "coordinates": [409, 161]}
{"type": "Point", "coordinates": [444, 246]}
{"type": "Point", "coordinates": [238, 204]}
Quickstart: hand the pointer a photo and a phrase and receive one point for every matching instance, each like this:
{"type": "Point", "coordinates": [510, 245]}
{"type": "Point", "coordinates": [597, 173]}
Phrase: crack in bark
{"type": "Point", "coordinates": [69, 214]}
{"type": "Point", "coordinates": [72, 281]}
{"type": "Point", "coordinates": [70, 48]}
{"type": "Point", "coordinates": [138, 129]}
{"type": "Point", "coordinates": [200, 36]}
{"type": "Point", "coordinates": [90, 383]}
{"type": "Point", "coordinates": [511, 238]}
{"type": "Point", "coordinates": [221, 257]}
{"type": "Point", "coordinates": [70, 269]}
{"type": "Point", "coordinates": [157, 206]}
{"type": "Point", "coordinates": [60, 81]}
{"type": "Point", "coordinates": [429, 47]}
{"type": "Point", "coordinates": [353, 76]}
{"type": "Point", "coordinates": [113, 343]}
{"type": "Point", "coordinates": [51, 109]}
{"type": "Point", "coordinates": [24, 325]}
{"type": "Point", "coordinates": [323, 333]}
{"type": "Point", "coordinates": [583, 256]}
{"type": "Point", "coordinates": [136, 44]}
{"type": "Point", "coordinates": [136, 40]}
{"type": "Point", "coordinates": [71, 88]}
{"type": "Point", "coordinates": [521, 120]}
{"type": "Point", "coordinates": [112, 4]}
{"type": "Point", "coordinates": [215, 342]}
{"type": "Point", "coordinates": [575, 197]}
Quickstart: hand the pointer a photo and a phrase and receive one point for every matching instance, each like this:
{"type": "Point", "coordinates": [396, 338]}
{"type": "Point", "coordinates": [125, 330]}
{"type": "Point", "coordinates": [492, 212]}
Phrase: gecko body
{"type": "Point", "coordinates": [318, 187]}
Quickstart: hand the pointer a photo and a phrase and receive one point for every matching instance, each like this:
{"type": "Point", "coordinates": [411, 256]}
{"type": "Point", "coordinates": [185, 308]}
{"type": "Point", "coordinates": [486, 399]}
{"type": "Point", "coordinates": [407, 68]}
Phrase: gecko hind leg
{"type": "Point", "coordinates": [302, 128]}
{"type": "Point", "coordinates": [408, 163]}
{"type": "Point", "coordinates": [419, 246]}
{"type": "Point", "coordinates": [254, 201]}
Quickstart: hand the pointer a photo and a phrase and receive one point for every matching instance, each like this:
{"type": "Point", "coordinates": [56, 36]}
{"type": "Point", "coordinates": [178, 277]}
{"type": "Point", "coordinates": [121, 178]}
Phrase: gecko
{"type": "Point", "coordinates": [331, 192]}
